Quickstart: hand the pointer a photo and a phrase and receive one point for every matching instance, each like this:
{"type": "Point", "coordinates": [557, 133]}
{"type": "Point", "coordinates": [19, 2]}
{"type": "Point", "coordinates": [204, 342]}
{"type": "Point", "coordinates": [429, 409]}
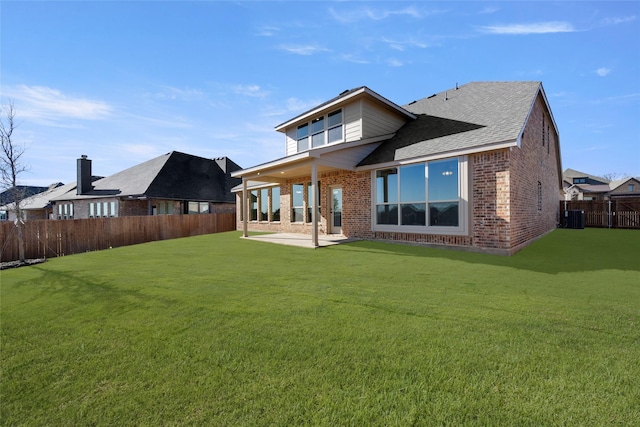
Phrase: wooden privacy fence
{"type": "Point", "coordinates": [616, 213]}
{"type": "Point", "coordinates": [51, 238]}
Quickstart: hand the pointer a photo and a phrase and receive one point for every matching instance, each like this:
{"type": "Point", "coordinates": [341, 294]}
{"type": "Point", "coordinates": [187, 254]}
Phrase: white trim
{"type": "Point", "coordinates": [339, 101]}
{"type": "Point", "coordinates": [439, 156]}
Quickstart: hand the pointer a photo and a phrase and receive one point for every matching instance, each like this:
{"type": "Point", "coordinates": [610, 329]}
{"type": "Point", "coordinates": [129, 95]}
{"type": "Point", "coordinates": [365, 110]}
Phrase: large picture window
{"type": "Point", "coordinates": [419, 196]}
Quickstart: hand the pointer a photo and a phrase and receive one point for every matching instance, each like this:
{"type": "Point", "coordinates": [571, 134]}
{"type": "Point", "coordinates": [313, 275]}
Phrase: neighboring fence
{"type": "Point", "coordinates": [616, 213]}
{"type": "Point", "coordinates": [51, 238]}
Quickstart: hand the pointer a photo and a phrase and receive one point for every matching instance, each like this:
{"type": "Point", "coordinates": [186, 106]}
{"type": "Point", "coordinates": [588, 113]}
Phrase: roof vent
{"type": "Point", "coordinates": [412, 102]}
{"type": "Point", "coordinates": [432, 96]}
{"type": "Point", "coordinates": [343, 92]}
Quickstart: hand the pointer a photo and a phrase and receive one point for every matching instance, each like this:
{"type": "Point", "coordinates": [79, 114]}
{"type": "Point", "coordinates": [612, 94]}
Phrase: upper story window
{"type": "Point", "coordinates": [579, 180]}
{"type": "Point", "coordinates": [321, 130]}
{"type": "Point", "coordinates": [631, 187]}
{"type": "Point", "coordinates": [303, 137]}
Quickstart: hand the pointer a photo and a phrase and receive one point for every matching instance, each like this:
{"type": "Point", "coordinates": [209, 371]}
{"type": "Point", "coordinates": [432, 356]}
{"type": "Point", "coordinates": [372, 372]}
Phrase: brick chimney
{"type": "Point", "coordinates": [84, 175]}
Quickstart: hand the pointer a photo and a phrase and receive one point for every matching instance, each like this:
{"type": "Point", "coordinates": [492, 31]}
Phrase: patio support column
{"type": "Point", "coordinates": [245, 208]}
{"type": "Point", "coordinates": [314, 205]}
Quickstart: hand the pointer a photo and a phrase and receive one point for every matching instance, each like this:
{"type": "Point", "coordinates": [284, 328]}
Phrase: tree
{"type": "Point", "coordinates": [614, 176]}
{"type": "Point", "coordinates": [11, 167]}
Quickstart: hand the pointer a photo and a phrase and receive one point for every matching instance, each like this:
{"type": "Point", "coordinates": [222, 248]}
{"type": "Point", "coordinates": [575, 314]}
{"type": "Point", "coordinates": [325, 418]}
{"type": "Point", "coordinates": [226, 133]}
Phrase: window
{"type": "Point", "coordinates": [275, 204]}
{"type": "Point", "coordinates": [164, 208]}
{"type": "Point", "coordinates": [297, 203]}
{"type": "Point", "coordinates": [387, 196]}
{"type": "Point", "coordinates": [412, 195]}
{"type": "Point", "coordinates": [335, 126]}
{"type": "Point", "coordinates": [253, 205]}
{"type": "Point", "coordinates": [264, 204]}
{"type": "Point", "coordinates": [303, 137]}
{"type": "Point", "coordinates": [579, 180]}
{"type": "Point", "coordinates": [324, 130]}
{"type": "Point", "coordinates": [310, 202]}
{"type": "Point", "coordinates": [418, 196]}
{"type": "Point", "coordinates": [65, 211]}
{"type": "Point", "coordinates": [100, 209]}
{"type": "Point", "coordinates": [631, 186]}
{"type": "Point", "coordinates": [539, 196]}
{"type": "Point", "coordinates": [198, 207]}
{"type": "Point", "coordinates": [317, 132]}
{"type": "Point", "coordinates": [443, 193]}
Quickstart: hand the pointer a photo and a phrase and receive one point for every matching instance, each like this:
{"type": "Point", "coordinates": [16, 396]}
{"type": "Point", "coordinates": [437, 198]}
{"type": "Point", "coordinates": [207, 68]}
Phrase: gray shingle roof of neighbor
{"type": "Point", "coordinates": [569, 174]}
{"type": "Point", "coordinates": [474, 115]}
{"type": "Point", "coordinates": [173, 175]}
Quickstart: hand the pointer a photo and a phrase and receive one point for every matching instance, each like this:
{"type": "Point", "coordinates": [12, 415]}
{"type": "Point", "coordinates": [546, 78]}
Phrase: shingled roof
{"type": "Point", "coordinates": [473, 116]}
{"type": "Point", "coordinates": [174, 175]}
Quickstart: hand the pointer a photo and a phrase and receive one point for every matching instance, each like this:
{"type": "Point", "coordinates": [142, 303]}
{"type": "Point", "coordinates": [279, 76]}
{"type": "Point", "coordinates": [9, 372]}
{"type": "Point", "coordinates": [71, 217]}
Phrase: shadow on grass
{"type": "Point", "coordinates": [562, 251]}
{"type": "Point", "coordinates": [81, 290]}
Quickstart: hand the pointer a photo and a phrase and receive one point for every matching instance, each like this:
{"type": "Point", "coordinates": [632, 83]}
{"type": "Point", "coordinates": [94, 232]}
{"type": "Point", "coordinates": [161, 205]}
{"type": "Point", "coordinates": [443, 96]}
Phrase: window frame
{"type": "Point", "coordinates": [307, 140]}
{"type": "Point", "coordinates": [300, 207]}
{"type": "Point", "coordinates": [463, 202]}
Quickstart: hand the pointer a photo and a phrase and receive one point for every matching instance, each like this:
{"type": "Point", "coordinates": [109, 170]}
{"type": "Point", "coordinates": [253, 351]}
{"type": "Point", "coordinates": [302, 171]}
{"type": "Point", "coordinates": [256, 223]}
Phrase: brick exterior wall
{"type": "Point", "coordinates": [507, 209]}
{"type": "Point", "coordinates": [535, 162]}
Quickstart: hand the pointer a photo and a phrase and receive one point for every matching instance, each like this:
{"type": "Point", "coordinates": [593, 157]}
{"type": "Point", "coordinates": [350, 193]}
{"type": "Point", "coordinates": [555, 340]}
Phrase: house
{"type": "Point", "coordinates": [174, 183]}
{"type": "Point", "coordinates": [36, 205]}
{"type": "Point", "coordinates": [476, 167]}
{"type": "Point", "coordinates": [583, 186]}
{"type": "Point", "coordinates": [626, 187]}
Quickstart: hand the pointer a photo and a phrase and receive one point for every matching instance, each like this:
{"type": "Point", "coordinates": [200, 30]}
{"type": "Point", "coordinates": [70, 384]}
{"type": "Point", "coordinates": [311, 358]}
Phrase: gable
{"type": "Point", "coordinates": [474, 117]}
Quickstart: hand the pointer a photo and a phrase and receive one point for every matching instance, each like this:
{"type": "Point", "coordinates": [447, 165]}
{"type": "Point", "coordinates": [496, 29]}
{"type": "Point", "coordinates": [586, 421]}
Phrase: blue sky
{"type": "Point", "coordinates": [126, 81]}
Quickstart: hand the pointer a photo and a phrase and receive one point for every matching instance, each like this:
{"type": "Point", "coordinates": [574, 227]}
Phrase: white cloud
{"type": "Point", "coordinates": [250, 90]}
{"type": "Point", "coordinates": [393, 62]}
{"type": "Point", "coordinates": [402, 45]}
{"type": "Point", "coordinates": [268, 31]}
{"type": "Point", "coordinates": [616, 21]}
{"type": "Point", "coordinates": [173, 93]}
{"type": "Point", "coordinates": [304, 50]}
{"type": "Point", "coordinates": [376, 14]}
{"type": "Point", "coordinates": [353, 59]}
{"type": "Point", "coordinates": [603, 71]}
{"type": "Point", "coordinates": [489, 10]}
{"type": "Point", "coordinates": [51, 105]}
{"type": "Point", "coordinates": [535, 28]}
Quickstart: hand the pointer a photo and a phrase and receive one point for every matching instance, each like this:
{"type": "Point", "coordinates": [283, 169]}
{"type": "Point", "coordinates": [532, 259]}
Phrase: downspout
{"type": "Point", "coordinates": [314, 202]}
{"type": "Point", "coordinates": [244, 206]}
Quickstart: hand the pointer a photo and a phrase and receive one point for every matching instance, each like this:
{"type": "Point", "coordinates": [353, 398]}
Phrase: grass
{"type": "Point", "coordinates": [218, 330]}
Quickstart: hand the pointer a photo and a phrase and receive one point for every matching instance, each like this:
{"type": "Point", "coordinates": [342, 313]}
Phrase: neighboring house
{"type": "Point", "coordinates": [175, 183]}
{"type": "Point", "coordinates": [626, 187]}
{"type": "Point", "coordinates": [477, 166]}
{"type": "Point", "coordinates": [25, 191]}
{"type": "Point", "coordinates": [37, 205]}
{"type": "Point", "coordinates": [582, 186]}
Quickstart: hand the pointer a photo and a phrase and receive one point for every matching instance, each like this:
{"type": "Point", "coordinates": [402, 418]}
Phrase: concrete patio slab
{"type": "Point", "coordinates": [300, 240]}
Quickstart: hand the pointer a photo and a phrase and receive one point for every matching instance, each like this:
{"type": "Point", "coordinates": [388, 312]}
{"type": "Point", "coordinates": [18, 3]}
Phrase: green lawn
{"type": "Point", "coordinates": [218, 330]}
